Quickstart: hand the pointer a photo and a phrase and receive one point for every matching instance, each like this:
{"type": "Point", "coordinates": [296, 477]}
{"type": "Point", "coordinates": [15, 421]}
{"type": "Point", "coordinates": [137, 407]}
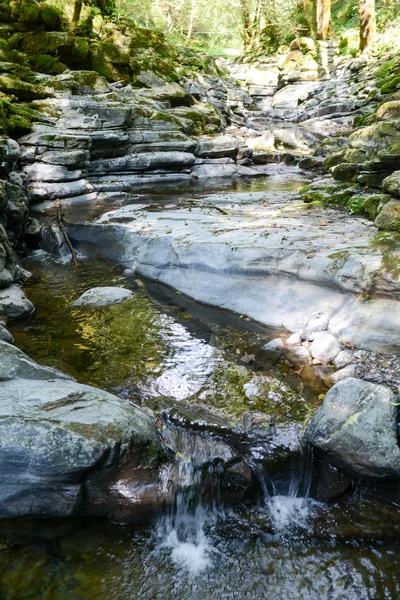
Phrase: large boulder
{"type": "Point", "coordinates": [389, 217]}
{"type": "Point", "coordinates": [356, 429]}
{"type": "Point", "coordinates": [56, 434]}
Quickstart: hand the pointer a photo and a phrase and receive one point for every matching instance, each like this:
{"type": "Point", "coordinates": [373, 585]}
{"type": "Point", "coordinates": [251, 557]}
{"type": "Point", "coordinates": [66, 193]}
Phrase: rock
{"type": "Point", "coordinates": [275, 345]}
{"type": "Point", "coordinates": [328, 481]}
{"type": "Point", "coordinates": [325, 347]}
{"type": "Point", "coordinates": [5, 335]}
{"type": "Point", "coordinates": [345, 373]}
{"type": "Point", "coordinates": [14, 304]}
{"type": "Point", "coordinates": [356, 429]}
{"type": "Point", "coordinates": [233, 171]}
{"type": "Point", "coordinates": [315, 324]}
{"type": "Point", "coordinates": [344, 358]}
{"type": "Point", "coordinates": [298, 355]}
{"type": "Point", "coordinates": [218, 147]}
{"type": "Point", "coordinates": [103, 296]}
{"type": "Point", "coordinates": [15, 364]}
{"type": "Point", "coordinates": [52, 191]}
{"type": "Point", "coordinates": [391, 185]}
{"type": "Point", "coordinates": [143, 162]}
{"type": "Point", "coordinates": [53, 434]}
{"type": "Point", "coordinates": [293, 339]}
{"type": "Point", "coordinates": [389, 217]}
{"type": "Point", "coordinates": [259, 266]}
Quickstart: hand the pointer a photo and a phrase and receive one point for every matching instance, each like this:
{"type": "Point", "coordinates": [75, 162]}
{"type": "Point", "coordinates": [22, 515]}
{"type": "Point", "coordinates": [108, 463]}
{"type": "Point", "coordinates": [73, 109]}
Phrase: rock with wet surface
{"type": "Point", "coordinates": [56, 432]}
{"type": "Point", "coordinates": [103, 296]}
{"type": "Point", "coordinates": [14, 304]}
{"type": "Point", "coordinates": [356, 429]}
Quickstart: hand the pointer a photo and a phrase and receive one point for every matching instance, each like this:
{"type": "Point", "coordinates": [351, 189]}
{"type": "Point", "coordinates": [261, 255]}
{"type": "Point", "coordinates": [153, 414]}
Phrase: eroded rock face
{"type": "Point", "coordinates": [356, 429]}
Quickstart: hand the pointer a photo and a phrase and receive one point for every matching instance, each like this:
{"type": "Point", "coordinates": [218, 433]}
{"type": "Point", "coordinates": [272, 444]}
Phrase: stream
{"type": "Point", "coordinates": [194, 365]}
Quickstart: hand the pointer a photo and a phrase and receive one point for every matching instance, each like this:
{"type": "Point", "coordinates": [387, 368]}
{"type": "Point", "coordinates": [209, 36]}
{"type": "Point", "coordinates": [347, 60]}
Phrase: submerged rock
{"type": "Point", "coordinates": [356, 429]}
{"type": "Point", "coordinates": [103, 296]}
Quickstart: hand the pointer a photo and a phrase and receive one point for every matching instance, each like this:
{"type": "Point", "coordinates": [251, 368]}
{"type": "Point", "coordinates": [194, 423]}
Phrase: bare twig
{"type": "Point", "coordinates": [65, 235]}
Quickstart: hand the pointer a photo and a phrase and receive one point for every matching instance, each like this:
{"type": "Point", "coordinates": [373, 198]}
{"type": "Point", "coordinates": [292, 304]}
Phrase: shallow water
{"type": "Point", "coordinates": [165, 351]}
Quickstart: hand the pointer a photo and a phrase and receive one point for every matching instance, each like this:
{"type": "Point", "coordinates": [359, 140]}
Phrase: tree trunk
{"type": "Point", "coordinates": [323, 18]}
{"type": "Point", "coordinates": [246, 22]}
{"type": "Point", "coordinates": [309, 14]}
{"type": "Point", "coordinates": [77, 11]}
{"type": "Point", "coordinates": [192, 18]}
{"type": "Point", "coordinates": [366, 9]}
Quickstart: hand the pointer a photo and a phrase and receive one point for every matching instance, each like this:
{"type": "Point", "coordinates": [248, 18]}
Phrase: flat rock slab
{"type": "Point", "coordinates": [356, 429]}
{"type": "Point", "coordinates": [262, 254]}
{"type": "Point", "coordinates": [103, 296]}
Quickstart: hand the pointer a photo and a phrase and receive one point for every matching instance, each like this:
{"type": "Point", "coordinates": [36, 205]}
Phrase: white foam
{"type": "Point", "coordinates": [192, 557]}
{"type": "Point", "coordinates": [288, 512]}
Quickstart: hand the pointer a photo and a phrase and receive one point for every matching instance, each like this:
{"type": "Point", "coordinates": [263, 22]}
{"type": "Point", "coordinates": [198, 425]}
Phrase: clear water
{"type": "Point", "coordinates": [165, 351]}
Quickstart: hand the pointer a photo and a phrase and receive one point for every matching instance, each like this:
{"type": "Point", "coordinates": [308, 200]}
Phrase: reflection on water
{"type": "Point", "coordinates": [149, 349]}
{"type": "Point", "coordinates": [236, 560]}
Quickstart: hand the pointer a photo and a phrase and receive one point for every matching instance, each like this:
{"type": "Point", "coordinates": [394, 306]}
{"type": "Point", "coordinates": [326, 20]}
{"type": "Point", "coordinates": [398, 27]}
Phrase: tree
{"type": "Point", "coordinates": [323, 18]}
{"type": "Point", "coordinates": [366, 10]}
{"type": "Point", "coordinates": [77, 11]}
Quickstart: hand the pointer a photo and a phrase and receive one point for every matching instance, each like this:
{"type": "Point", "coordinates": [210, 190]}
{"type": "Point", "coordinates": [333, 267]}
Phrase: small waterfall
{"type": "Point", "coordinates": [288, 502]}
{"type": "Point", "coordinates": [195, 483]}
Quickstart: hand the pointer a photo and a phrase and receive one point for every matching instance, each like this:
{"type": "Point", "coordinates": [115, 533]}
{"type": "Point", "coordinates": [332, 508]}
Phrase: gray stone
{"type": "Point", "coordinates": [53, 433]}
{"type": "Point", "coordinates": [5, 335]}
{"type": "Point", "coordinates": [14, 304]}
{"type": "Point", "coordinates": [345, 373]}
{"type": "Point", "coordinates": [148, 161]}
{"type": "Point", "coordinates": [344, 358]}
{"type": "Point", "coordinates": [275, 345]}
{"type": "Point", "coordinates": [103, 296]}
{"type": "Point", "coordinates": [298, 355]}
{"type": "Point", "coordinates": [356, 429]}
{"type": "Point", "coordinates": [293, 339]}
{"type": "Point", "coordinates": [316, 323]}
{"type": "Point", "coordinates": [50, 173]}
{"type": "Point", "coordinates": [15, 364]}
{"type": "Point", "coordinates": [218, 147]}
{"type": "Point", "coordinates": [325, 347]}
{"type": "Point", "coordinates": [53, 191]}
{"type": "Point", "coordinates": [233, 171]}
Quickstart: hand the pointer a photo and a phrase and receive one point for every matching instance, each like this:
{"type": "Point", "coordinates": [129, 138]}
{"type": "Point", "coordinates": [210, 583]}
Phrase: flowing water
{"type": "Point", "coordinates": [190, 362]}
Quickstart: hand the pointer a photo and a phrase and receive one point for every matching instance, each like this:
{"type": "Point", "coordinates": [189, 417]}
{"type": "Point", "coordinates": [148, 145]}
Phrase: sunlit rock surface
{"type": "Point", "coordinates": [262, 254]}
{"type": "Point", "coordinates": [356, 429]}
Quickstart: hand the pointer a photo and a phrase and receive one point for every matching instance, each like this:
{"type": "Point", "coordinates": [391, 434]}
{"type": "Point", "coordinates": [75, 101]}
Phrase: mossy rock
{"type": "Point", "coordinates": [5, 11]}
{"type": "Point", "coordinates": [29, 12]}
{"type": "Point", "coordinates": [374, 138]}
{"type": "Point", "coordinates": [391, 185]}
{"type": "Point", "coordinates": [391, 86]}
{"type": "Point", "coordinates": [389, 217]}
{"type": "Point", "coordinates": [10, 84]}
{"type": "Point", "coordinates": [334, 159]}
{"type": "Point", "coordinates": [373, 204]}
{"type": "Point", "coordinates": [50, 16]}
{"type": "Point", "coordinates": [48, 64]}
{"type": "Point", "coordinates": [388, 111]}
{"type": "Point", "coordinates": [345, 171]}
{"type": "Point", "coordinates": [354, 155]}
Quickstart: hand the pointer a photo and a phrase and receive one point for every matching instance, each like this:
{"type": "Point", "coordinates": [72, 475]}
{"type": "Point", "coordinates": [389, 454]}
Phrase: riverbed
{"type": "Point", "coordinates": [197, 364]}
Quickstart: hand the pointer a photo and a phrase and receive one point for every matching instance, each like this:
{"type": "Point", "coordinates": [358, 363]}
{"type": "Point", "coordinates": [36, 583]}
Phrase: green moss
{"type": "Point", "coordinates": [372, 204]}
{"type": "Point", "coordinates": [391, 86]}
{"type": "Point", "coordinates": [50, 16]}
{"type": "Point", "coordinates": [345, 171]}
{"type": "Point", "coordinates": [29, 12]}
{"type": "Point", "coordinates": [10, 84]}
{"type": "Point", "coordinates": [48, 64]}
{"type": "Point", "coordinates": [355, 205]}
